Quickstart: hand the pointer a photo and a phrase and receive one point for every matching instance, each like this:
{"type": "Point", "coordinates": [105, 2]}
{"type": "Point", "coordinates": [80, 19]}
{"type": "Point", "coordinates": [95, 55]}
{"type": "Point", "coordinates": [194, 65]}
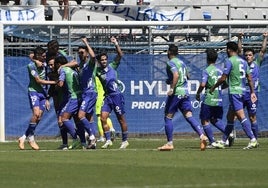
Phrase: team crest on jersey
{"type": "Point", "coordinates": [33, 72]}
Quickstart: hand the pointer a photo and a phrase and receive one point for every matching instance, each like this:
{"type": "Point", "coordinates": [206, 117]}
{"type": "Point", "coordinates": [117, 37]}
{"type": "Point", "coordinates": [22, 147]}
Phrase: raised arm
{"type": "Point", "coordinates": [239, 43]}
{"type": "Point", "coordinates": [90, 50]}
{"type": "Point", "coordinates": [118, 50]}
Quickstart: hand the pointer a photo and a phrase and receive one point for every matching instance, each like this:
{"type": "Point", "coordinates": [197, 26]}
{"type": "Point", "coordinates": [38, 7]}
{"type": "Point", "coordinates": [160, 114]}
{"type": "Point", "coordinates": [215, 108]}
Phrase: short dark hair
{"type": "Point", "coordinates": [39, 51]}
{"type": "Point", "coordinates": [212, 55]}
{"type": "Point", "coordinates": [53, 46]}
{"type": "Point", "coordinates": [101, 54]}
{"type": "Point", "coordinates": [53, 43]}
{"type": "Point", "coordinates": [83, 47]}
{"type": "Point", "coordinates": [232, 46]}
{"type": "Point", "coordinates": [173, 49]}
{"type": "Point", "coordinates": [249, 50]}
{"type": "Point", "coordinates": [61, 60]}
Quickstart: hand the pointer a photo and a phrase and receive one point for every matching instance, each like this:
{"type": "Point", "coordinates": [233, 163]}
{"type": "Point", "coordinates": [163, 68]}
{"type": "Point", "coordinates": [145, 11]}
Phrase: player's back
{"type": "Point", "coordinates": [237, 76]}
{"type": "Point", "coordinates": [215, 98]}
{"type": "Point", "coordinates": [72, 82]}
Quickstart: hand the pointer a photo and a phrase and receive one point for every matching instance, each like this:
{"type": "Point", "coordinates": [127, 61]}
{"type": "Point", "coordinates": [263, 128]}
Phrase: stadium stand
{"type": "Point", "coordinates": [253, 14]}
{"type": "Point", "coordinates": [80, 15]}
{"type": "Point", "coordinates": [54, 12]}
{"type": "Point", "coordinates": [237, 14]}
{"type": "Point", "coordinates": [85, 3]}
{"type": "Point", "coordinates": [9, 3]}
{"type": "Point", "coordinates": [130, 2]}
{"type": "Point", "coordinates": [106, 2]}
{"type": "Point", "coordinates": [209, 2]}
{"type": "Point", "coordinates": [219, 9]}
{"type": "Point", "coordinates": [218, 14]}
{"type": "Point", "coordinates": [72, 3]}
{"type": "Point", "coordinates": [196, 14]}
{"type": "Point", "coordinates": [244, 3]}
{"type": "Point", "coordinates": [214, 9]}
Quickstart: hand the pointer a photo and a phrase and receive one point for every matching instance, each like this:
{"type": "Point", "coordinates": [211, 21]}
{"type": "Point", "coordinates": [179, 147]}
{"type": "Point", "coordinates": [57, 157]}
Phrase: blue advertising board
{"type": "Point", "coordinates": [143, 79]}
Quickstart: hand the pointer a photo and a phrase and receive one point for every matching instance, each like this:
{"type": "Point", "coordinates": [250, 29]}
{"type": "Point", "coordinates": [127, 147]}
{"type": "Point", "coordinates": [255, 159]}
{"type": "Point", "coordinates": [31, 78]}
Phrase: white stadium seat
{"type": "Point", "coordinates": [57, 12]}
{"type": "Point", "coordinates": [237, 14]}
{"type": "Point", "coordinates": [80, 15]}
{"type": "Point", "coordinates": [87, 2]}
{"type": "Point", "coordinates": [72, 3]}
{"type": "Point", "coordinates": [255, 14]}
{"type": "Point", "coordinates": [196, 14]}
{"type": "Point", "coordinates": [130, 2]}
{"type": "Point", "coordinates": [219, 14]}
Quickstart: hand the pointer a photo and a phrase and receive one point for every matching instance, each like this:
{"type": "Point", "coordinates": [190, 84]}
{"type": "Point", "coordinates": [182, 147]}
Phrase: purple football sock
{"type": "Point", "coordinates": [247, 128]}
{"type": "Point", "coordinates": [209, 132]}
{"type": "Point", "coordinates": [169, 129]}
{"type": "Point", "coordinates": [195, 125]}
{"type": "Point", "coordinates": [70, 128]}
{"type": "Point", "coordinates": [219, 125]}
{"type": "Point", "coordinates": [255, 129]}
{"type": "Point", "coordinates": [227, 131]}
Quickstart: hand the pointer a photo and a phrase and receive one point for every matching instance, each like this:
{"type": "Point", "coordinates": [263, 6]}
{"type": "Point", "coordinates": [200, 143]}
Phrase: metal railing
{"type": "Point", "coordinates": [134, 36]}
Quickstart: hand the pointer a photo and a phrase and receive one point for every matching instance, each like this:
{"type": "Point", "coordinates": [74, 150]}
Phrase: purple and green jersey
{"type": "Point", "coordinates": [71, 82]}
{"type": "Point", "coordinates": [114, 99]}
{"type": "Point", "coordinates": [237, 69]}
{"type": "Point", "coordinates": [36, 92]}
{"type": "Point", "coordinates": [255, 74]}
{"type": "Point", "coordinates": [35, 71]}
{"type": "Point", "coordinates": [209, 77]}
{"type": "Point", "coordinates": [254, 68]}
{"type": "Point", "coordinates": [176, 65]}
{"type": "Point", "coordinates": [86, 76]}
{"type": "Point", "coordinates": [108, 78]}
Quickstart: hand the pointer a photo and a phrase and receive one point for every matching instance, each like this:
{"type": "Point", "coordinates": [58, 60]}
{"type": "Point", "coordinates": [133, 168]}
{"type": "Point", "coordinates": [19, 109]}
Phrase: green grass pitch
{"type": "Point", "coordinates": [138, 166]}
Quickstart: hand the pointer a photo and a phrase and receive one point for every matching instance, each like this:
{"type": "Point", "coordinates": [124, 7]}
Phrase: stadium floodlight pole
{"type": "Point", "coordinates": [2, 86]}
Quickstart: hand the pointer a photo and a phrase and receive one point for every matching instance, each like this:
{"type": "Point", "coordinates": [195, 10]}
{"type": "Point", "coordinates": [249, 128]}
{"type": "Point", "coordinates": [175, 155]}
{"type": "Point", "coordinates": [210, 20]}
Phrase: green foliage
{"type": "Point", "coordinates": [140, 165]}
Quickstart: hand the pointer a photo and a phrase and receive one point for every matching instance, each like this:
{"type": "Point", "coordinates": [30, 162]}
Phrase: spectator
{"type": "Point", "coordinates": [44, 2]}
{"type": "Point", "coordinates": [65, 4]}
{"type": "Point", "coordinates": [30, 2]}
{"type": "Point", "coordinates": [4, 2]}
